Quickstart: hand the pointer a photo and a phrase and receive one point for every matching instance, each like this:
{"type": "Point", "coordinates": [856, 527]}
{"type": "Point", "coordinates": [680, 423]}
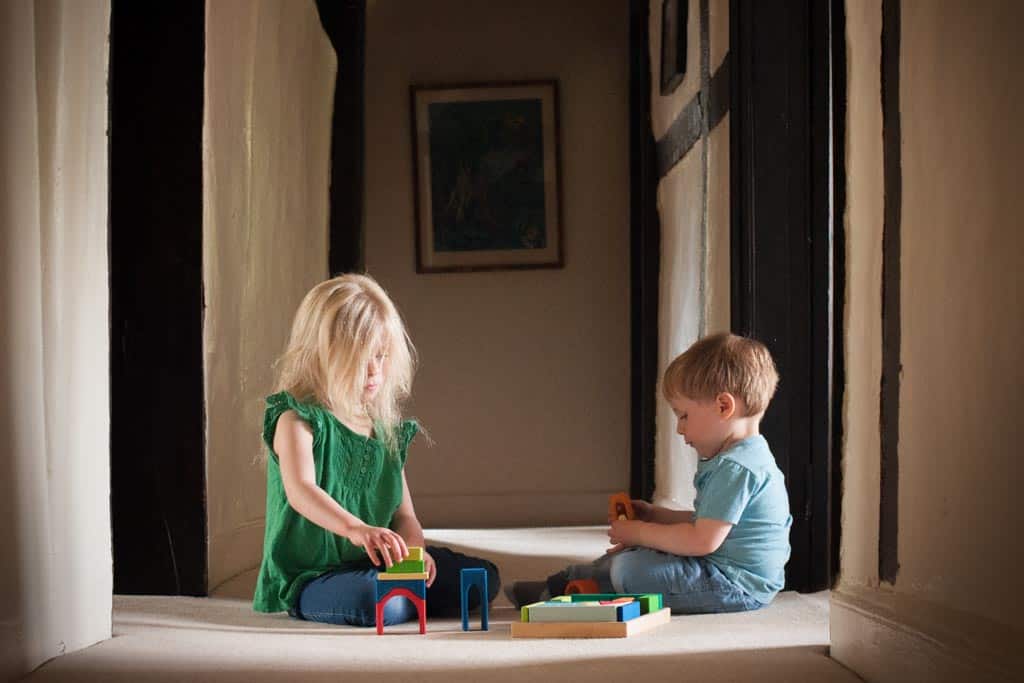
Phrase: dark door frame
{"type": "Point", "coordinates": [788, 278]}
{"type": "Point", "coordinates": [344, 22]}
{"type": "Point", "coordinates": [155, 243]}
{"type": "Point", "coordinates": [644, 258]}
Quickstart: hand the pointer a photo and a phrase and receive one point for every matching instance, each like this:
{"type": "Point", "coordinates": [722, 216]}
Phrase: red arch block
{"type": "Point", "coordinates": [420, 603]}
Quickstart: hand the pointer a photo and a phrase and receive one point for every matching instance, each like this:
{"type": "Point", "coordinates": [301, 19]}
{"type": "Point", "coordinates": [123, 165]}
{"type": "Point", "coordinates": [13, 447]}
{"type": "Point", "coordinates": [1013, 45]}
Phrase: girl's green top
{"type": "Point", "coordinates": [355, 470]}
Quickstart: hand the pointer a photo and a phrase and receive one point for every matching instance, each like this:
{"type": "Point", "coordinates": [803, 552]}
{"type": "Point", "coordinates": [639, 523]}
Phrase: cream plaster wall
{"type": "Point", "coordinates": [680, 316]}
{"type": "Point", "coordinates": [962, 316]}
{"type": "Point", "coordinates": [695, 262]}
{"type": "Point", "coordinates": [952, 613]}
{"type": "Point", "coordinates": [862, 345]}
{"type": "Point", "coordinates": [717, 302]}
{"type": "Point", "coordinates": [524, 382]}
{"type": "Point", "coordinates": [55, 567]}
{"type": "Point", "coordinates": [269, 96]}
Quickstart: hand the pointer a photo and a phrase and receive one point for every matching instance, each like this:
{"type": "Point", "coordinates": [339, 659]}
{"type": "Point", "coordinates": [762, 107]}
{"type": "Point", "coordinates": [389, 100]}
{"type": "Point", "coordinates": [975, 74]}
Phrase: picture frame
{"type": "Point", "coordinates": [674, 17]}
{"type": "Point", "coordinates": [486, 174]}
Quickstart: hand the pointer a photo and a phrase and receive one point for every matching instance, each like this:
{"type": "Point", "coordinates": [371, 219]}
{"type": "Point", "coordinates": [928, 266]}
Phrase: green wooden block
{"type": "Point", "coordinates": [524, 612]}
{"type": "Point", "coordinates": [408, 567]}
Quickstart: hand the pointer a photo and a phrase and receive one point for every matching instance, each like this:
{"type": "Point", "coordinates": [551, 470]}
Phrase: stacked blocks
{"type": "Point", "coordinates": [467, 579]}
{"type": "Point", "coordinates": [592, 615]}
{"type": "Point", "coordinates": [407, 579]}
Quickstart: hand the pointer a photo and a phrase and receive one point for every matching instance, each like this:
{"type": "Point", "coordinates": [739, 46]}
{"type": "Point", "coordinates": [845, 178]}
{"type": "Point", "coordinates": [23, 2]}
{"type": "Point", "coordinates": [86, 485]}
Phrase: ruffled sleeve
{"type": "Point", "coordinates": [407, 431]}
{"type": "Point", "coordinates": [280, 403]}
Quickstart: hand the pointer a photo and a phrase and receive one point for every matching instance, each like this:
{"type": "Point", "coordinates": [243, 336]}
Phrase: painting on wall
{"type": "Point", "coordinates": [486, 173]}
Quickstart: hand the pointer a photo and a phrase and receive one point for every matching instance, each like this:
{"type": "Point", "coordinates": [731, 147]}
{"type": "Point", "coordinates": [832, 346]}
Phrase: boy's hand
{"type": "Point", "coordinates": [642, 510]}
{"type": "Point", "coordinates": [430, 566]}
{"type": "Point", "coordinates": [624, 533]}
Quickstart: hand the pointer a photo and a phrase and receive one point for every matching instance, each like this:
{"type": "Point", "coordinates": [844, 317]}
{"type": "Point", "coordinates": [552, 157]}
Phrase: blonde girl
{"type": "Point", "coordinates": [338, 502]}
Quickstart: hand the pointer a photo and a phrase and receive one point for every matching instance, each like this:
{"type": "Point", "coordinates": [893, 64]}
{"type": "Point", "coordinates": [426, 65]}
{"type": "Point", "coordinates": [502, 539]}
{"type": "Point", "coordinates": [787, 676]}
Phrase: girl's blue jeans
{"type": "Point", "coordinates": [690, 585]}
{"type": "Point", "coordinates": [348, 595]}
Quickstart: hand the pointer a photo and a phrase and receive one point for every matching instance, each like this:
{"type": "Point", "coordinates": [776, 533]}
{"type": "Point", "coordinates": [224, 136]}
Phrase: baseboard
{"type": "Point", "coordinates": [884, 636]}
{"type": "Point", "coordinates": [504, 510]}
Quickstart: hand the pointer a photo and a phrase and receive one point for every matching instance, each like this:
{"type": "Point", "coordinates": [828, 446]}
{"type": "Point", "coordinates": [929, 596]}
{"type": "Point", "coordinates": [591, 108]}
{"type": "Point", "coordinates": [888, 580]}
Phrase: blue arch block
{"type": "Point", "coordinates": [467, 579]}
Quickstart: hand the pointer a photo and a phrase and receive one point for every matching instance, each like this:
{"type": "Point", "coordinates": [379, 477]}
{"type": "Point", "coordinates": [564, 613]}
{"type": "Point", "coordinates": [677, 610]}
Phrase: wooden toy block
{"type": "Point", "coordinates": [599, 629]}
{"type": "Point", "coordinates": [524, 611]}
{"type": "Point", "coordinates": [649, 602]}
{"type": "Point", "coordinates": [402, 576]}
{"type": "Point", "coordinates": [583, 612]}
{"type": "Point", "coordinates": [468, 578]}
{"type": "Point", "coordinates": [620, 507]}
{"type": "Point", "coordinates": [410, 566]}
{"type": "Point", "coordinates": [419, 602]}
{"type": "Point", "coordinates": [415, 554]}
{"type": "Point", "coordinates": [415, 590]}
{"type": "Point", "coordinates": [582, 586]}
{"type": "Point", "coordinates": [417, 587]}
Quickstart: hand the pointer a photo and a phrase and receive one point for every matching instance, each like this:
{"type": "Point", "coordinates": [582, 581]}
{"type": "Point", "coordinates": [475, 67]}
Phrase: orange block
{"type": "Point", "coordinates": [582, 586]}
{"type": "Point", "coordinates": [620, 507]}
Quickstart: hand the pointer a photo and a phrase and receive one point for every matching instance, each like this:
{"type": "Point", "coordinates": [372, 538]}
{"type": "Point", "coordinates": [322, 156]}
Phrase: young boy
{"type": "Point", "coordinates": [728, 553]}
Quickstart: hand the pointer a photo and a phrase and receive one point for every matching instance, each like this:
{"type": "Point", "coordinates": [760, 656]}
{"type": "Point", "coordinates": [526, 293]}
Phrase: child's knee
{"type": "Point", "coordinates": [630, 572]}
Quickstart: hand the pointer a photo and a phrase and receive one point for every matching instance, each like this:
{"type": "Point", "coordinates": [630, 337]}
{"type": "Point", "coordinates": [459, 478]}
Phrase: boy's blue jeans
{"type": "Point", "coordinates": [690, 585]}
{"type": "Point", "coordinates": [348, 595]}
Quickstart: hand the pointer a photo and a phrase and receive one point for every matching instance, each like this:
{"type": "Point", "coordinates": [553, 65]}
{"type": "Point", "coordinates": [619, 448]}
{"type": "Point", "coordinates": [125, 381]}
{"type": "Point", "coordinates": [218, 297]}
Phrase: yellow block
{"type": "Point", "coordinates": [415, 553]}
{"type": "Point", "coordinates": [401, 576]}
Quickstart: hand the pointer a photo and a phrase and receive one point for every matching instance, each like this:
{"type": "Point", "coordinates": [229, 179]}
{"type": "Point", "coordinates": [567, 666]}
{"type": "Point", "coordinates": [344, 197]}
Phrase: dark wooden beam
{"type": "Point", "coordinates": [645, 255]}
{"type": "Point", "coordinates": [157, 420]}
{"type": "Point", "coordinates": [889, 414]}
{"type": "Point", "coordinates": [344, 22]}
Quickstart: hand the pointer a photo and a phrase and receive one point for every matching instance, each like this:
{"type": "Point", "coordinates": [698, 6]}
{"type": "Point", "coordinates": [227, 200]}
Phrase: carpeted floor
{"type": "Point", "coordinates": [222, 639]}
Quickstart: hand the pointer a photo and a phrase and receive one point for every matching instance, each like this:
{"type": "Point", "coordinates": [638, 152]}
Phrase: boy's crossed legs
{"type": "Point", "coordinates": [690, 585]}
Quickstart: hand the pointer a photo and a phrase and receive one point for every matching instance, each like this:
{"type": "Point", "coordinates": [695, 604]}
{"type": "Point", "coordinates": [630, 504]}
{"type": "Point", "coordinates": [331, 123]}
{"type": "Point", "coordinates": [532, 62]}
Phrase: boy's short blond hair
{"type": "Point", "coordinates": [723, 362]}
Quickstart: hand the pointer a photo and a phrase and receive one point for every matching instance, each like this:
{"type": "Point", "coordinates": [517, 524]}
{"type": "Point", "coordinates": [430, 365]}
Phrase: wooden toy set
{"type": "Point", "coordinates": [592, 615]}
{"type": "Point", "coordinates": [408, 579]}
{"type": "Point", "coordinates": [582, 612]}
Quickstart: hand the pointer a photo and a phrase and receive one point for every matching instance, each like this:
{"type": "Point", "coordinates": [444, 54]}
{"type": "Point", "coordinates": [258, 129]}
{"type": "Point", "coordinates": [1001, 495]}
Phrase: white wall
{"type": "Point", "coordinates": [269, 96]}
{"type": "Point", "coordinates": [952, 612]}
{"type": "Point", "coordinates": [695, 260]}
{"type": "Point", "coordinates": [55, 572]}
{"type": "Point", "coordinates": [524, 382]}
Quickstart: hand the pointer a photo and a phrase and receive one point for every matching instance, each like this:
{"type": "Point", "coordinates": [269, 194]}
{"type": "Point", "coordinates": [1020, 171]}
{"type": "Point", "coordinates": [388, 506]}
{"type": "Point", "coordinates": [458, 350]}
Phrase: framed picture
{"type": "Point", "coordinates": [674, 16]}
{"type": "Point", "coordinates": [486, 174]}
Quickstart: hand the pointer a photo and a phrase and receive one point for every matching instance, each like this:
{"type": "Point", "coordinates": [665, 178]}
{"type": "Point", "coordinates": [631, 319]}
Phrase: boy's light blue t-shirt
{"type": "Point", "coordinates": [744, 487]}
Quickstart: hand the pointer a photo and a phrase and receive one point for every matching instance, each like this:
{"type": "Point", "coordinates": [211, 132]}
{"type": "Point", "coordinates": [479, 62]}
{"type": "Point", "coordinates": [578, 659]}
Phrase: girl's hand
{"type": "Point", "coordinates": [380, 544]}
{"type": "Point", "coordinates": [428, 564]}
{"type": "Point", "coordinates": [624, 533]}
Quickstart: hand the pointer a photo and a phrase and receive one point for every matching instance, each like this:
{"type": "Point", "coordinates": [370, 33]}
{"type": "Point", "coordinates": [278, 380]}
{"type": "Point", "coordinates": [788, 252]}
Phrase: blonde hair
{"type": "Point", "coordinates": [724, 362]}
{"type": "Point", "coordinates": [339, 326]}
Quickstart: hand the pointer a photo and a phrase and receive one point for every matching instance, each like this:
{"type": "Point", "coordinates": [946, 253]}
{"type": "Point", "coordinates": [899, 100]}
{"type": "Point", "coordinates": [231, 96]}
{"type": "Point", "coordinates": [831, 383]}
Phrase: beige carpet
{"type": "Point", "coordinates": [222, 639]}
